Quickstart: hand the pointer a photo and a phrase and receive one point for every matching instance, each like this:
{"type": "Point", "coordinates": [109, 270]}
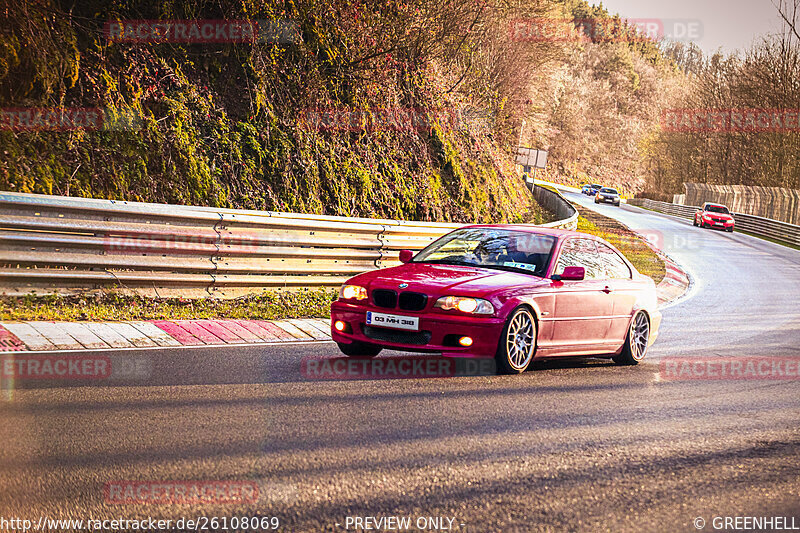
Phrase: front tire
{"type": "Point", "coordinates": [517, 342]}
{"type": "Point", "coordinates": [694, 222]}
{"type": "Point", "coordinates": [637, 341]}
{"type": "Point", "coordinates": [359, 349]}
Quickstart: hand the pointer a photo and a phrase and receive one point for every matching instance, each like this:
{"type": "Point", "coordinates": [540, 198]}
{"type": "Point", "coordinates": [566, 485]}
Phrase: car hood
{"type": "Point", "coordinates": [443, 278]}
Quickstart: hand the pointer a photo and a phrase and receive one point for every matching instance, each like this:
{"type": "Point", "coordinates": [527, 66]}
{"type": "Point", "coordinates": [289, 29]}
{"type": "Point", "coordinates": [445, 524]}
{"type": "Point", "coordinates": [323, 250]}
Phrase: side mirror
{"type": "Point", "coordinates": [573, 273]}
{"type": "Point", "coordinates": [406, 256]}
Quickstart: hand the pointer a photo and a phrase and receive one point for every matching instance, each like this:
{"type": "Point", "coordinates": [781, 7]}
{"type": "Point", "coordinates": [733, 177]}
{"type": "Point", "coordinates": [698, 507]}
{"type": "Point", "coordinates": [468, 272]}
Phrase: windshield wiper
{"type": "Point", "coordinates": [512, 269]}
{"type": "Point", "coordinates": [479, 265]}
{"type": "Point", "coordinates": [447, 262]}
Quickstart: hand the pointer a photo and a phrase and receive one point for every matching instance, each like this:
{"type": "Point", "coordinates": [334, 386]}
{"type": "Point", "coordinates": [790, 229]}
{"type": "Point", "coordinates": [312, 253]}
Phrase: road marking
{"type": "Point", "coordinates": [111, 337]}
{"type": "Point", "coordinates": [83, 335]}
{"type": "Point", "coordinates": [132, 335]}
{"type": "Point", "coordinates": [32, 338]}
{"type": "Point", "coordinates": [60, 338]}
{"type": "Point", "coordinates": [154, 333]}
{"type": "Point", "coordinates": [291, 329]}
{"type": "Point", "coordinates": [199, 331]}
{"type": "Point", "coordinates": [218, 330]}
{"type": "Point", "coordinates": [309, 327]}
{"type": "Point", "coordinates": [45, 336]}
{"type": "Point", "coordinates": [276, 330]}
{"type": "Point", "coordinates": [243, 333]}
{"type": "Point", "coordinates": [182, 347]}
{"type": "Point", "coordinates": [257, 329]}
{"type": "Point", "coordinates": [178, 333]}
{"type": "Point", "coordinates": [10, 342]}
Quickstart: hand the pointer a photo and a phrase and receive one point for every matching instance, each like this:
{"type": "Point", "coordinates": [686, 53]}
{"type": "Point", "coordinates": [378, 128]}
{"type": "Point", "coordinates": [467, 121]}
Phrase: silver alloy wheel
{"type": "Point", "coordinates": [520, 341]}
{"type": "Point", "coordinates": [639, 336]}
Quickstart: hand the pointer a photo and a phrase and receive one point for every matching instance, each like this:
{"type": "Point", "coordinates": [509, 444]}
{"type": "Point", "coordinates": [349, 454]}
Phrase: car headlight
{"type": "Point", "coordinates": [474, 306]}
{"type": "Point", "coordinates": [353, 292]}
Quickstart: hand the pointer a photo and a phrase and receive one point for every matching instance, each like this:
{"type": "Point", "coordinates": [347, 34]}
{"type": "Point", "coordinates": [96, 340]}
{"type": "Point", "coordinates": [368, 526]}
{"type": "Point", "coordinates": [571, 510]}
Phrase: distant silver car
{"type": "Point", "coordinates": [607, 194]}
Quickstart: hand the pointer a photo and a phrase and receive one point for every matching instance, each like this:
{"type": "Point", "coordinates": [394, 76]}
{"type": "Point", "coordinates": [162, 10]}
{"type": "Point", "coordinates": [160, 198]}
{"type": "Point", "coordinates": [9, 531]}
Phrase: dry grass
{"type": "Point", "coordinates": [115, 307]}
{"type": "Point", "coordinates": [629, 243]}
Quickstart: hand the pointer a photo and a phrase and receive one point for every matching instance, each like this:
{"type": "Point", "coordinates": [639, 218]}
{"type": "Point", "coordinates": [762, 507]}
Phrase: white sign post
{"type": "Point", "coordinates": [531, 158]}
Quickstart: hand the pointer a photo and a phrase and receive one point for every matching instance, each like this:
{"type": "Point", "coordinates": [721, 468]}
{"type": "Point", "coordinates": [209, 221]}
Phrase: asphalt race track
{"type": "Point", "coordinates": [581, 446]}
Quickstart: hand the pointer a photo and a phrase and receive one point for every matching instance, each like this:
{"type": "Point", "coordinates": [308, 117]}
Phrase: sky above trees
{"type": "Point", "coordinates": [727, 24]}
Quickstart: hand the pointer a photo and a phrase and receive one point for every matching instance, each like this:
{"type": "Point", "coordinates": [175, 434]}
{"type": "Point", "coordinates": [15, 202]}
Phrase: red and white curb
{"type": "Point", "coordinates": [41, 336]}
{"type": "Point", "coordinates": [675, 284]}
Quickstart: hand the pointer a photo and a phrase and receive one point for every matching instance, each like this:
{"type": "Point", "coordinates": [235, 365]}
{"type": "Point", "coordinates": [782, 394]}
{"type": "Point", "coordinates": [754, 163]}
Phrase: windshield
{"type": "Point", "coordinates": [499, 249]}
{"type": "Point", "coordinates": [716, 209]}
{"type": "Point", "coordinates": [609, 191]}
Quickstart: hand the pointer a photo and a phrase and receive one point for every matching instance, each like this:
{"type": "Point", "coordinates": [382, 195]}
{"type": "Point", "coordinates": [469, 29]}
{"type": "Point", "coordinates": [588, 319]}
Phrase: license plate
{"type": "Point", "coordinates": [384, 320]}
{"type": "Point", "coordinates": [718, 223]}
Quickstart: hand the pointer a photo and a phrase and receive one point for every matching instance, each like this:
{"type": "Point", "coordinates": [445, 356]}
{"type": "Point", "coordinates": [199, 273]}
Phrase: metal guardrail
{"type": "Point", "coordinates": [55, 244]}
{"type": "Point", "coordinates": [552, 200]}
{"type": "Point", "coordinates": [764, 227]}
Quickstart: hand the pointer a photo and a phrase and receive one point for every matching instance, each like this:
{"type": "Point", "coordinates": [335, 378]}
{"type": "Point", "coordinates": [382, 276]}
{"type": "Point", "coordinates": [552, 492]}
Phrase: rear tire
{"type": "Point", "coordinates": [636, 342]}
{"type": "Point", "coordinates": [517, 342]}
{"type": "Point", "coordinates": [359, 349]}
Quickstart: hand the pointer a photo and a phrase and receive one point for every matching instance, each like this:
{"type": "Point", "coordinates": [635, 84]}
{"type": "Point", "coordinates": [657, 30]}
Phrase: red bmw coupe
{"type": "Point", "coordinates": [513, 292]}
{"type": "Point", "coordinates": [714, 216]}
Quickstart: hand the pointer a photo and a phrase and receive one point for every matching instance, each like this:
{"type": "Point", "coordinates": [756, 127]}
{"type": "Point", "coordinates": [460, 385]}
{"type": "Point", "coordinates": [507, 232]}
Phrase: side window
{"type": "Point", "coordinates": [614, 266]}
{"type": "Point", "coordinates": [580, 252]}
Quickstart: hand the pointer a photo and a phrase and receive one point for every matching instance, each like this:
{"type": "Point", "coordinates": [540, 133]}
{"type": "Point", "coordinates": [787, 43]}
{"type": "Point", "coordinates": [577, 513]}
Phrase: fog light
{"type": "Point", "coordinates": [465, 341]}
{"type": "Point", "coordinates": [339, 325]}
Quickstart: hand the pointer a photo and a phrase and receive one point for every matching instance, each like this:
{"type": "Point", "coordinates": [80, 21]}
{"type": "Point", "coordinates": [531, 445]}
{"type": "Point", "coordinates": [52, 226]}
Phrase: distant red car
{"type": "Point", "coordinates": [714, 216]}
{"type": "Point", "coordinates": [512, 292]}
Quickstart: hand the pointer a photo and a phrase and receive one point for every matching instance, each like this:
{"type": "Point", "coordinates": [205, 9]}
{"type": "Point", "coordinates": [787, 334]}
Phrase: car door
{"type": "Point", "coordinates": [582, 308]}
{"type": "Point", "coordinates": [618, 281]}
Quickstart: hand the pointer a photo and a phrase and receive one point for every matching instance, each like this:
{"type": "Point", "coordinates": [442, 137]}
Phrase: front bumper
{"type": "Point", "coordinates": [725, 225]}
{"type": "Point", "coordinates": [608, 200]}
{"type": "Point", "coordinates": [437, 331]}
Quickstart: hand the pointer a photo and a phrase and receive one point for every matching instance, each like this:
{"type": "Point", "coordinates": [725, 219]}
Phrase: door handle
{"type": "Point", "coordinates": [607, 289]}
